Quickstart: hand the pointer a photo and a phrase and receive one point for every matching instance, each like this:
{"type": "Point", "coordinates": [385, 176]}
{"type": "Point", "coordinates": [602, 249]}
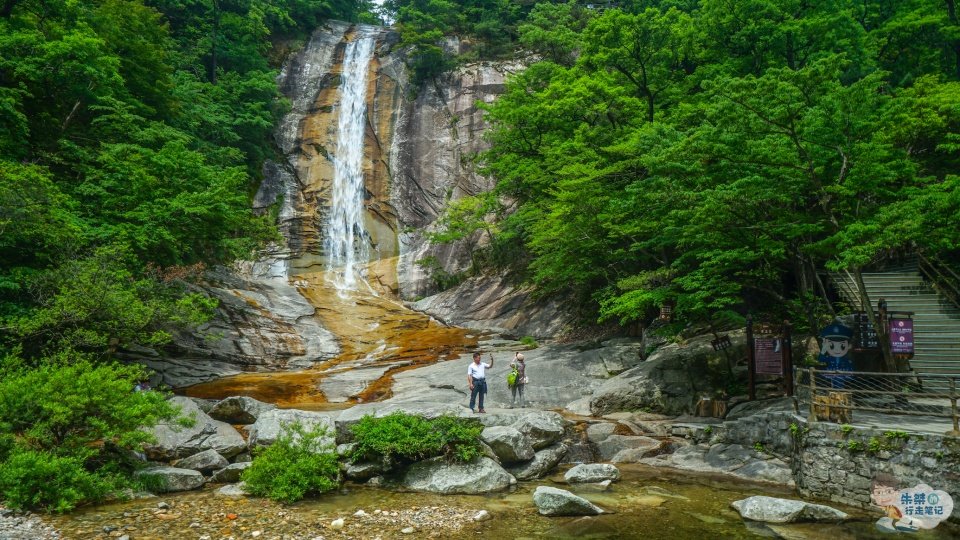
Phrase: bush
{"type": "Point", "coordinates": [44, 480]}
{"type": "Point", "coordinates": [415, 438]}
{"type": "Point", "coordinates": [67, 427]}
{"type": "Point", "coordinates": [298, 464]}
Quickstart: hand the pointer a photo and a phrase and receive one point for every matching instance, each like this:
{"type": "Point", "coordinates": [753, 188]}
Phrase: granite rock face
{"type": "Point", "coordinates": [239, 410]}
{"type": "Point", "coordinates": [510, 445]}
{"type": "Point", "coordinates": [774, 510]}
{"type": "Point", "coordinates": [552, 501]}
{"type": "Point", "coordinates": [670, 381]}
{"type": "Point", "coordinates": [270, 424]}
{"type": "Point", "coordinates": [483, 475]}
{"type": "Point", "coordinates": [170, 479]}
{"type": "Point", "coordinates": [176, 442]}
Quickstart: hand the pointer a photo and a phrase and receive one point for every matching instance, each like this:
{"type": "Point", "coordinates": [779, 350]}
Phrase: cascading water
{"type": "Point", "coordinates": [347, 241]}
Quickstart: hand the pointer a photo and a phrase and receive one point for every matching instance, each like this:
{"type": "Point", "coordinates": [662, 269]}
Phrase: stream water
{"type": "Point", "coordinates": [645, 503]}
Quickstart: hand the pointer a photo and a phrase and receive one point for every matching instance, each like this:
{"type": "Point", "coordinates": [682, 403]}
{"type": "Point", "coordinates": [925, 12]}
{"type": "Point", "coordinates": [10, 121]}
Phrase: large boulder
{"type": "Point", "coordinates": [230, 473]}
{"type": "Point", "coordinates": [542, 463]}
{"type": "Point", "coordinates": [774, 510]}
{"type": "Point", "coordinates": [482, 475]}
{"type": "Point", "coordinates": [508, 444]}
{"type": "Point", "coordinates": [239, 410]}
{"type": "Point", "coordinates": [731, 459]}
{"type": "Point", "coordinates": [205, 462]}
{"type": "Point", "coordinates": [591, 473]}
{"type": "Point", "coordinates": [670, 381]}
{"type": "Point", "coordinates": [174, 441]}
{"type": "Point", "coordinates": [541, 428]}
{"type": "Point", "coordinates": [552, 501]}
{"type": "Point", "coordinates": [170, 479]}
{"type": "Point", "coordinates": [626, 448]}
{"type": "Point", "coordinates": [268, 426]}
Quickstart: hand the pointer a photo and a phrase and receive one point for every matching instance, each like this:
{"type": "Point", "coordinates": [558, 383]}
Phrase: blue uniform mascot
{"type": "Point", "coordinates": [835, 352]}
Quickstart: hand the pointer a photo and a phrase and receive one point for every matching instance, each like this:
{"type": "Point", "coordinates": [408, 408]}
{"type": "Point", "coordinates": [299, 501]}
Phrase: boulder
{"type": "Point", "coordinates": [508, 444]}
{"type": "Point", "coordinates": [268, 426]}
{"type": "Point", "coordinates": [170, 479]}
{"type": "Point", "coordinates": [542, 463]}
{"type": "Point", "coordinates": [482, 475]}
{"type": "Point", "coordinates": [239, 410]}
{"type": "Point", "coordinates": [732, 459]}
{"type": "Point", "coordinates": [363, 471]}
{"type": "Point", "coordinates": [176, 442]}
{"type": "Point", "coordinates": [205, 462]}
{"type": "Point", "coordinates": [616, 445]}
{"type": "Point", "coordinates": [552, 501]}
{"type": "Point", "coordinates": [542, 428]}
{"type": "Point", "coordinates": [230, 473]}
{"type": "Point", "coordinates": [774, 510]}
{"type": "Point", "coordinates": [591, 473]}
{"type": "Point", "coordinates": [600, 431]}
{"type": "Point", "coordinates": [669, 382]}
{"type": "Point", "coordinates": [233, 490]}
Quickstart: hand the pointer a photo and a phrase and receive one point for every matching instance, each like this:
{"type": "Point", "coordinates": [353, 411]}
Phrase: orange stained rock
{"type": "Point", "coordinates": [371, 329]}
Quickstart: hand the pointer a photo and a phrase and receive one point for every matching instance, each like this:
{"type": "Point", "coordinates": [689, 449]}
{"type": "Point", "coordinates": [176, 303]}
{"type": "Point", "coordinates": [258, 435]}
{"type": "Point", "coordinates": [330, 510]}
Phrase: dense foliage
{"type": "Point", "coordinates": [412, 438]}
{"type": "Point", "coordinates": [131, 136]}
{"type": "Point", "coordinates": [67, 428]}
{"type": "Point", "coordinates": [301, 462]}
{"type": "Point", "coordinates": [722, 154]}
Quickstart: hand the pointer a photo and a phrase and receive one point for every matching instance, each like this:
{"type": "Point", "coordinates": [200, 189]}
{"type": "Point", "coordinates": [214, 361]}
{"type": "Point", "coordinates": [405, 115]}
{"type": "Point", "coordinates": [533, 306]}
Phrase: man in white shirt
{"type": "Point", "coordinates": [477, 379]}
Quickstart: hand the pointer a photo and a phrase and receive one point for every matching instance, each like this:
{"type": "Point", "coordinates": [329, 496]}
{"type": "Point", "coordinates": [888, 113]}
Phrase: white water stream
{"type": "Point", "coordinates": [347, 241]}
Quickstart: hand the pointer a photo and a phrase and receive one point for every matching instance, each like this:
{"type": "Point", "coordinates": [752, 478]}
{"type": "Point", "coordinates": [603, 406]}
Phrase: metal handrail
{"type": "Point", "coordinates": [850, 391]}
{"type": "Point", "coordinates": [945, 280]}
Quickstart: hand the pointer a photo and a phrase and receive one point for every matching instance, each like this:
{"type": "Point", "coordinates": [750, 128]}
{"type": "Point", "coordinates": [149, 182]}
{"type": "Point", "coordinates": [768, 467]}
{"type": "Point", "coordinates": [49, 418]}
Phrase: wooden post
{"type": "Point", "coordinates": [751, 367]}
{"type": "Point", "coordinates": [813, 396]}
{"type": "Point", "coordinates": [787, 358]}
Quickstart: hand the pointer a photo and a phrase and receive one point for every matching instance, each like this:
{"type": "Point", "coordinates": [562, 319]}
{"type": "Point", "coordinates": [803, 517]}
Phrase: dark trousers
{"type": "Point", "coordinates": [479, 389]}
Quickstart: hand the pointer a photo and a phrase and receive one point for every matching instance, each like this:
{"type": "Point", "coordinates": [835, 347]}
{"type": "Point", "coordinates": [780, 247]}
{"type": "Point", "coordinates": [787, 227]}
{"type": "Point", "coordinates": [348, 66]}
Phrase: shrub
{"type": "Point", "coordinates": [67, 427]}
{"type": "Point", "coordinates": [411, 437]}
{"type": "Point", "coordinates": [298, 464]}
{"type": "Point", "coordinates": [44, 480]}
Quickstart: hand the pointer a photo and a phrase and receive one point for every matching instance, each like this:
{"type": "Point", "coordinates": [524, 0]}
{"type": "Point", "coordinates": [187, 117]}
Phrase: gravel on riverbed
{"type": "Point", "coordinates": [219, 519]}
{"type": "Point", "coordinates": [16, 525]}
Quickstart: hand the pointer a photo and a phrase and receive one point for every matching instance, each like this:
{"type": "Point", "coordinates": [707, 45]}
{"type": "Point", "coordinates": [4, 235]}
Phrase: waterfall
{"type": "Point", "coordinates": [347, 241]}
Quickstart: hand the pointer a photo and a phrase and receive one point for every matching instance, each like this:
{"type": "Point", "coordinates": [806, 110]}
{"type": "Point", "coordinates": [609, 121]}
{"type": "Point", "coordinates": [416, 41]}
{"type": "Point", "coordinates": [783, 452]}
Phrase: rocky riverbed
{"type": "Point", "coordinates": [644, 503]}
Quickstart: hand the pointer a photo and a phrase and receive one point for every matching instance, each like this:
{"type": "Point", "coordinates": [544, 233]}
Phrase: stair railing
{"type": "Point", "coordinates": [944, 280]}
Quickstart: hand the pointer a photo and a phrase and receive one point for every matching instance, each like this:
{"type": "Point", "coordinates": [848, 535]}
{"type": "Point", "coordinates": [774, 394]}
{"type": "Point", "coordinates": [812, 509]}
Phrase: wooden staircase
{"type": "Point", "coordinates": [936, 326]}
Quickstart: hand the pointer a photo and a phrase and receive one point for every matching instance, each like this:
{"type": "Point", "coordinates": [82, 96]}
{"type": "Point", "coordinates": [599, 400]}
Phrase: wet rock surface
{"type": "Point", "coordinates": [775, 510]}
{"type": "Point", "coordinates": [175, 441]}
{"type": "Point", "coordinates": [552, 501]}
{"type": "Point", "coordinates": [732, 459]}
{"type": "Point", "coordinates": [592, 472]}
{"type": "Point", "coordinates": [239, 410]}
{"type": "Point", "coordinates": [171, 479]}
{"type": "Point", "coordinates": [435, 475]}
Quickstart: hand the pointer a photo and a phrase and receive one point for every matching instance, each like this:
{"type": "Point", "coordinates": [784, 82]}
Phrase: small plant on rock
{"type": "Point", "coordinates": [300, 463]}
{"type": "Point", "coordinates": [410, 437]}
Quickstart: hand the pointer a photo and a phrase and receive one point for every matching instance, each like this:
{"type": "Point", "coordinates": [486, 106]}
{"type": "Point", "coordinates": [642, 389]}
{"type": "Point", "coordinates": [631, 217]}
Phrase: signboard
{"type": "Point", "coordinates": [901, 336]}
{"type": "Point", "coordinates": [864, 334]}
{"type": "Point", "coordinates": [768, 356]}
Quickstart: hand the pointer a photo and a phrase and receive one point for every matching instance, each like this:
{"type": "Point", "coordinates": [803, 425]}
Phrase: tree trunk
{"type": "Point", "coordinates": [889, 364]}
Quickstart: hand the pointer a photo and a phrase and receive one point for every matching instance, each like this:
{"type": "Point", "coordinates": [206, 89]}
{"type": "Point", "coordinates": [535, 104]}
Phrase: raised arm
{"type": "Point", "coordinates": [491, 360]}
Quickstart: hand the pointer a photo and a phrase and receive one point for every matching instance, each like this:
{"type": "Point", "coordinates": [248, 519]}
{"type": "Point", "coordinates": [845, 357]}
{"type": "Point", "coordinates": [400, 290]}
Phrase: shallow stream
{"type": "Point", "coordinates": [645, 503]}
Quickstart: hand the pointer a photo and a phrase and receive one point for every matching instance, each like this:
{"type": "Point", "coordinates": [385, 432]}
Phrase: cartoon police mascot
{"type": "Point", "coordinates": [835, 352]}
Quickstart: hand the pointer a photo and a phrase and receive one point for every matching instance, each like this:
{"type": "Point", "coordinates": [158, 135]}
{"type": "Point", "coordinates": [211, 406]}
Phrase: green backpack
{"type": "Point", "coordinates": [512, 376]}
